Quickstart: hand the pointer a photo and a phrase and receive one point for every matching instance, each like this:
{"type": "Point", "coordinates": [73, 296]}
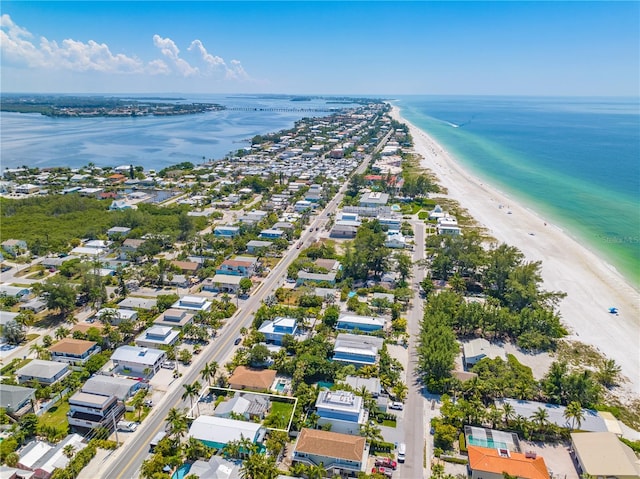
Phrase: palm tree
{"type": "Point", "coordinates": [574, 413]}
{"type": "Point", "coordinates": [61, 333]}
{"type": "Point", "coordinates": [209, 371]}
{"type": "Point", "coordinates": [138, 402]}
{"type": "Point", "coordinates": [191, 391]}
{"type": "Point", "coordinates": [508, 412]}
{"type": "Point", "coordinates": [400, 390]}
{"type": "Point", "coordinates": [608, 373]}
{"type": "Point", "coordinates": [40, 351]}
{"type": "Point", "coordinates": [371, 432]}
{"type": "Point", "coordinates": [68, 450]}
{"type": "Point", "coordinates": [540, 417]}
{"type": "Point", "coordinates": [316, 471]}
{"type": "Point", "coordinates": [177, 422]}
{"type": "Point", "coordinates": [259, 466]}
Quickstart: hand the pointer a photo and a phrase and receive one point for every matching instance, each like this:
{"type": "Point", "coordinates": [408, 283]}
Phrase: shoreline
{"type": "Point", "coordinates": [592, 284]}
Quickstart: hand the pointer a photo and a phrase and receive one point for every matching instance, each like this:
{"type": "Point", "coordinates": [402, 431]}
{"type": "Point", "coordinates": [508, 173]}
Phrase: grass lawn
{"type": "Point", "coordinates": [389, 423]}
{"type": "Point", "coordinates": [133, 415]}
{"type": "Point", "coordinates": [57, 415]}
{"type": "Point", "coordinates": [32, 336]}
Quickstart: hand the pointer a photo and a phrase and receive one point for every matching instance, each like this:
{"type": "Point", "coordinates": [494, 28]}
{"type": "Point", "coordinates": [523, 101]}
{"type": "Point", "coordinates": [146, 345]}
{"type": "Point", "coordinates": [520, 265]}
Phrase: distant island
{"type": "Point", "coordinates": [97, 106]}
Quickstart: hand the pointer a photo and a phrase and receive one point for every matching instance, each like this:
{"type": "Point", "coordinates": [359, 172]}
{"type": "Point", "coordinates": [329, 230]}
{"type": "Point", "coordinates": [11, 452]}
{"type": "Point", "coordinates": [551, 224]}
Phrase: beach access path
{"type": "Point", "coordinates": [592, 285]}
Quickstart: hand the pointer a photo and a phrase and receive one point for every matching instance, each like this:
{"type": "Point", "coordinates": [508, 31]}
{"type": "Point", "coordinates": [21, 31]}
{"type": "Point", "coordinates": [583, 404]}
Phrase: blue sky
{"type": "Point", "coordinates": [380, 48]}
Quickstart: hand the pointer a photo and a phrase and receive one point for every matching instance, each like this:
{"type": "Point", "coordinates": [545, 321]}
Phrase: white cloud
{"type": "Point", "coordinates": [216, 64]}
{"type": "Point", "coordinates": [18, 48]}
{"type": "Point", "coordinates": [171, 51]}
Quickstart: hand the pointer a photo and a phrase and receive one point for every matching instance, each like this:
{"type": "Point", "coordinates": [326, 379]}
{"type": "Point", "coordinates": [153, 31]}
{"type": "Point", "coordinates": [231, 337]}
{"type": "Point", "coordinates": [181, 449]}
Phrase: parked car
{"type": "Point", "coordinates": [382, 470]}
{"type": "Point", "coordinates": [168, 365]}
{"type": "Point", "coordinates": [128, 426]}
{"type": "Point", "coordinates": [396, 405]}
{"type": "Point", "coordinates": [386, 462]}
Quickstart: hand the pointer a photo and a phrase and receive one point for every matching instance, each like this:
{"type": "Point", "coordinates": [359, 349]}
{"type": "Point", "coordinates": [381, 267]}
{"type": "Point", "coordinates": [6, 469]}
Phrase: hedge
{"type": "Point", "coordinates": [463, 443]}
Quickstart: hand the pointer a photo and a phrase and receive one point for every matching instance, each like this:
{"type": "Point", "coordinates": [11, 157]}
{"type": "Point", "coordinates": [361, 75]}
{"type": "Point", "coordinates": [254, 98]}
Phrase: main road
{"type": "Point", "coordinates": [126, 461]}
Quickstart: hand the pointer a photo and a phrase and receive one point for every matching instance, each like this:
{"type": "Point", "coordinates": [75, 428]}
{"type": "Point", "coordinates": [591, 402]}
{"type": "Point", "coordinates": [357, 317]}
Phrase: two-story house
{"type": "Point", "coordinates": [193, 303]}
{"type": "Point", "coordinates": [357, 349]}
{"type": "Point", "coordinates": [73, 351]}
{"type": "Point", "coordinates": [157, 336]}
{"type": "Point", "coordinates": [174, 317]}
{"type": "Point", "coordinates": [275, 330]}
{"type": "Point", "coordinates": [88, 411]}
{"type": "Point", "coordinates": [244, 266]}
{"type": "Point", "coordinates": [339, 454]}
{"type": "Point", "coordinates": [350, 322]}
{"type": "Point", "coordinates": [342, 409]}
{"type": "Point", "coordinates": [134, 360]}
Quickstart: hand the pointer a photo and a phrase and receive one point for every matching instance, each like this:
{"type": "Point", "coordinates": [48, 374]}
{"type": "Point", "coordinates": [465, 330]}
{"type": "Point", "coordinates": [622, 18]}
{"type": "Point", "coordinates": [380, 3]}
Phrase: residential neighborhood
{"type": "Point", "coordinates": [311, 306]}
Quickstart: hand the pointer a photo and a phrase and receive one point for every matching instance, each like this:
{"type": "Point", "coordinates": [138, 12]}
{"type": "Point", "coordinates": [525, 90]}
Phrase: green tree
{"type": "Point", "coordinates": [177, 423]}
{"type": "Point", "coordinates": [575, 414]}
{"type": "Point", "coordinates": [245, 285]}
{"type": "Point", "coordinates": [60, 294]}
{"type": "Point", "coordinates": [608, 373]}
{"type": "Point", "coordinates": [13, 332]}
{"type": "Point", "coordinates": [192, 391]}
{"type": "Point", "coordinates": [404, 266]}
{"type": "Point", "coordinates": [209, 371]}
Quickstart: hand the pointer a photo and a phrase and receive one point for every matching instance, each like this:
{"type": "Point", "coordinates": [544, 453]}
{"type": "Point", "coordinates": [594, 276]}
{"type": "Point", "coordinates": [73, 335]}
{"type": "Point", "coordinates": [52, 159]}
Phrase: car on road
{"type": "Point", "coordinates": [387, 463]}
{"type": "Point", "coordinates": [237, 341]}
{"type": "Point", "coordinates": [402, 450]}
{"type": "Point", "coordinates": [396, 405]}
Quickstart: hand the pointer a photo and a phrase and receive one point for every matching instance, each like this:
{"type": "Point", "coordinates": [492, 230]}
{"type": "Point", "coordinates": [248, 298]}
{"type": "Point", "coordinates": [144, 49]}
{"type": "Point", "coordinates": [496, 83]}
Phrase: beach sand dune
{"type": "Point", "coordinates": [591, 284]}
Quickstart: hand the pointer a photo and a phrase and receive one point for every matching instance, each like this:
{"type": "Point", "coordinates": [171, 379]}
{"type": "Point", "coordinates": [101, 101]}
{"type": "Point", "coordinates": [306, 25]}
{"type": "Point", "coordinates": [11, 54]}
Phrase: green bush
{"type": "Point", "coordinates": [8, 446]}
{"type": "Point", "coordinates": [454, 460]}
{"type": "Point", "coordinates": [463, 443]}
{"type": "Point", "coordinates": [381, 446]}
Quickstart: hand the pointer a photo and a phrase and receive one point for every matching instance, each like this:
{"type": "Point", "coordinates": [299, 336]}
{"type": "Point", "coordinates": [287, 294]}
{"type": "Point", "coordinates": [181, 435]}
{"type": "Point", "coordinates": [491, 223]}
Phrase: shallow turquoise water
{"type": "Point", "coordinates": [575, 161]}
{"type": "Point", "coordinates": [181, 472]}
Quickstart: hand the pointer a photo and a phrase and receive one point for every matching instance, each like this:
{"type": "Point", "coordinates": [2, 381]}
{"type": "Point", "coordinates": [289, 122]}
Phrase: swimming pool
{"type": "Point", "coordinates": [351, 294]}
{"type": "Point", "coordinates": [181, 472]}
{"type": "Point", "coordinates": [280, 386]}
{"type": "Point", "coordinates": [489, 443]}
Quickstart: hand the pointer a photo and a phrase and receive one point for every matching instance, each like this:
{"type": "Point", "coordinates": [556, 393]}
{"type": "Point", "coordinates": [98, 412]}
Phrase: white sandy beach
{"type": "Point", "coordinates": [591, 284]}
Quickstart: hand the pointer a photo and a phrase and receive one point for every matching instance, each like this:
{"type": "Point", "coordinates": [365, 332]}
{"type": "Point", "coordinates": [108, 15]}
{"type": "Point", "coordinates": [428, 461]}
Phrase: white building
{"type": "Point", "coordinates": [137, 359]}
{"type": "Point", "coordinates": [157, 336]}
{"type": "Point", "coordinates": [343, 410]}
{"type": "Point", "coordinates": [217, 431]}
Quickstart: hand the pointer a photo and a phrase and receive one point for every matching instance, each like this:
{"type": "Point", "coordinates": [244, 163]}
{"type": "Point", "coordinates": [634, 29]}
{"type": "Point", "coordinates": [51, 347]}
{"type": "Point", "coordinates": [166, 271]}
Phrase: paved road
{"type": "Point", "coordinates": [414, 408]}
{"type": "Point", "coordinates": [126, 461]}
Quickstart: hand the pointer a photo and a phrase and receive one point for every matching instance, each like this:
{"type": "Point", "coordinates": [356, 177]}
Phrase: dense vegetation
{"type": "Point", "coordinates": [56, 223]}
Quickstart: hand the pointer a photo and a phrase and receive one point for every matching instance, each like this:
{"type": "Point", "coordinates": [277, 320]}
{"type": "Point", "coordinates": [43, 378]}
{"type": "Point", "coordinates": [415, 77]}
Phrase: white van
{"type": "Point", "coordinates": [402, 449]}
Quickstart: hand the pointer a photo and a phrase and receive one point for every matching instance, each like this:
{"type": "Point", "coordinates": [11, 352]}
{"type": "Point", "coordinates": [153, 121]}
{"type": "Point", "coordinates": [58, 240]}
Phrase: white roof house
{"type": "Point", "coordinates": [480, 348]}
{"type": "Point", "coordinates": [138, 358]}
{"type": "Point", "coordinates": [157, 336]}
{"type": "Point", "coordinates": [45, 372]}
{"type": "Point", "coordinates": [218, 431]}
{"type": "Point", "coordinates": [357, 349]}
{"type": "Point", "coordinates": [194, 303]}
{"type": "Point", "coordinates": [363, 323]}
{"type": "Point", "coordinates": [122, 388]}
{"type": "Point", "coordinates": [591, 421]}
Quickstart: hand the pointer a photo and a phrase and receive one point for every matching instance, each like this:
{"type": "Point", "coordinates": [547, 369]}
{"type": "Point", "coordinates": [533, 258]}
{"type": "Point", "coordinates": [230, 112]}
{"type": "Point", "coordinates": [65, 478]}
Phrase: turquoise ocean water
{"type": "Point", "coordinates": [575, 161]}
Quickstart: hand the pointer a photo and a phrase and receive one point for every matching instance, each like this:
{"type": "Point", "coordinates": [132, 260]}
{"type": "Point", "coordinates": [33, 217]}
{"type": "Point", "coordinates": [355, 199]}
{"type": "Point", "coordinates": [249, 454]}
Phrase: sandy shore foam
{"type": "Point", "coordinates": [591, 284]}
